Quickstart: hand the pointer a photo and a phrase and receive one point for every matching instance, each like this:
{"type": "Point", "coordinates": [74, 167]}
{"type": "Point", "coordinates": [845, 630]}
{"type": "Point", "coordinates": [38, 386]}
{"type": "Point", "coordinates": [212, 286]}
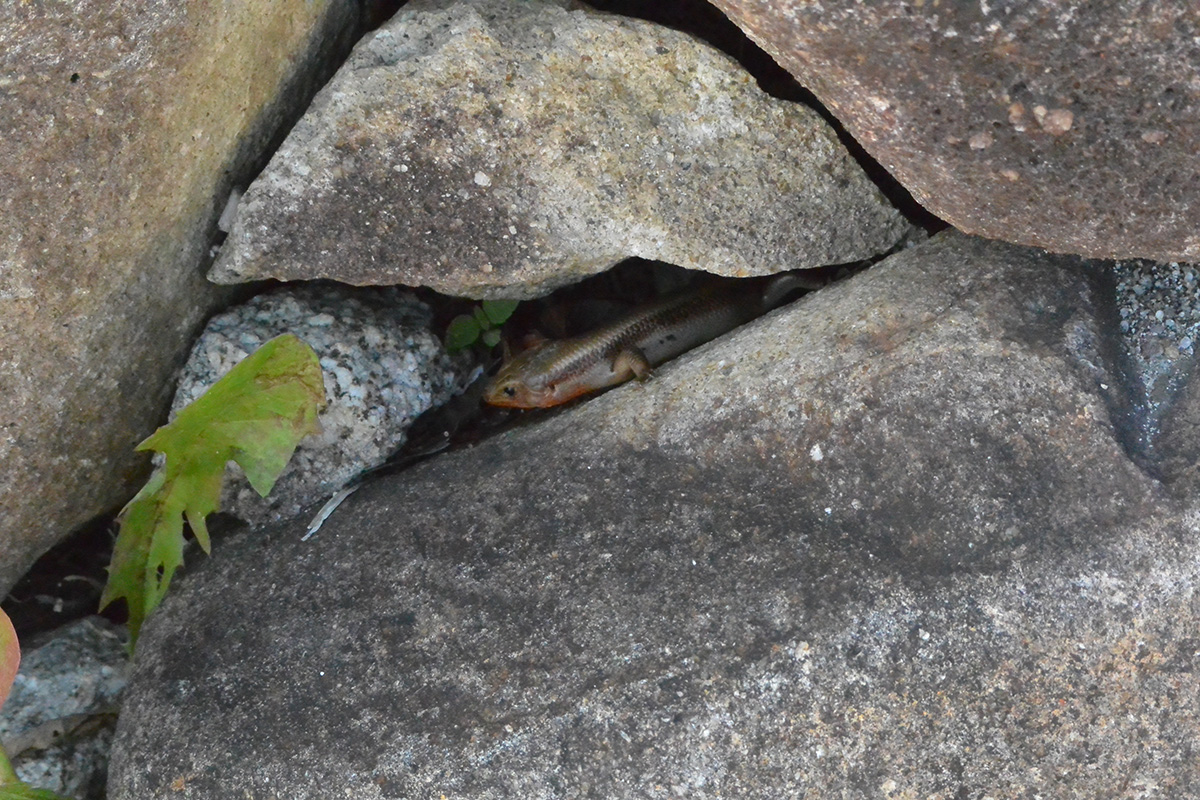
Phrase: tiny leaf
{"type": "Point", "coordinates": [462, 332]}
{"type": "Point", "coordinates": [255, 415]}
{"type": "Point", "coordinates": [491, 338]}
{"type": "Point", "coordinates": [481, 318]}
{"type": "Point", "coordinates": [498, 311]}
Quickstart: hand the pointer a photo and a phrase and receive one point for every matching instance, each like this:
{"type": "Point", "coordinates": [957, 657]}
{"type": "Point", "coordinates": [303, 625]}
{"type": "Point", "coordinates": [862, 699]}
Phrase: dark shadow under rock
{"type": "Point", "coordinates": [882, 540]}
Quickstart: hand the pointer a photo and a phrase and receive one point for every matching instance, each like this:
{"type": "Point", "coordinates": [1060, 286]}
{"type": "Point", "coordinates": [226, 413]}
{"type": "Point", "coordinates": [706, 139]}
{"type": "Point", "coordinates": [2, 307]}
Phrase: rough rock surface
{"type": "Point", "coordinates": [382, 367]}
{"type": "Point", "coordinates": [885, 542]}
{"type": "Point", "coordinates": [1067, 126]}
{"type": "Point", "coordinates": [1177, 448]}
{"type": "Point", "coordinates": [57, 725]}
{"type": "Point", "coordinates": [491, 148]}
{"type": "Point", "coordinates": [125, 124]}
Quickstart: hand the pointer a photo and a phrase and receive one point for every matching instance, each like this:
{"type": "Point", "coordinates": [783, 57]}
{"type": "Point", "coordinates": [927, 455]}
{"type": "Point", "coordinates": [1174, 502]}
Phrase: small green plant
{"type": "Point", "coordinates": [11, 788]}
{"type": "Point", "coordinates": [255, 415]}
{"type": "Point", "coordinates": [481, 325]}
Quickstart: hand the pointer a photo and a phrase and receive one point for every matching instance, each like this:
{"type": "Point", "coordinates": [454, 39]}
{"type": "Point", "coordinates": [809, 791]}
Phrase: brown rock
{"type": "Point", "coordinates": [125, 125]}
{"type": "Point", "coordinates": [1094, 108]}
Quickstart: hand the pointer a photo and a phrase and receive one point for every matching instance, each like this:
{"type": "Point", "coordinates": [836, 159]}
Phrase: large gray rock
{"type": "Point", "coordinates": [124, 127]}
{"type": "Point", "coordinates": [1067, 126]}
{"type": "Point", "coordinates": [492, 148]}
{"type": "Point", "coordinates": [885, 542]}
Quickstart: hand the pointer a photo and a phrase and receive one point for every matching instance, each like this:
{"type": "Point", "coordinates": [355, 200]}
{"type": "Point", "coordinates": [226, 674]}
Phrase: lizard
{"type": "Point", "coordinates": [553, 372]}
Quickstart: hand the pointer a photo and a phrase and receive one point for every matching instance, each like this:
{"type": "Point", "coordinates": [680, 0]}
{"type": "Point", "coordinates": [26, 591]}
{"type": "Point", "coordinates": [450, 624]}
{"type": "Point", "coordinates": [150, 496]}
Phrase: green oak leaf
{"type": "Point", "coordinates": [255, 415]}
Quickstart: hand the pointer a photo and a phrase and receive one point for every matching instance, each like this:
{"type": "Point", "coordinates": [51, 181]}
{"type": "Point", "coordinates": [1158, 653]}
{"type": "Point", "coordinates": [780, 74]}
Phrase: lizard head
{"type": "Point", "coordinates": [517, 385]}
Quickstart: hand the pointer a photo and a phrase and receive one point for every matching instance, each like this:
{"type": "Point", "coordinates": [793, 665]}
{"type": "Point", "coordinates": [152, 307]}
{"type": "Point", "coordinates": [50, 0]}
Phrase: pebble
{"type": "Point", "coordinates": [1159, 307]}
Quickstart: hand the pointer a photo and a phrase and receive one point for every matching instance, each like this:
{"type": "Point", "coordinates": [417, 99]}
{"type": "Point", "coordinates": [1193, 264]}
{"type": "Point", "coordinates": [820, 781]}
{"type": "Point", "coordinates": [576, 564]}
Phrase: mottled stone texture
{"type": "Point", "coordinates": [58, 723]}
{"type": "Point", "coordinates": [381, 365]}
{"type": "Point", "coordinates": [1064, 125]}
{"type": "Point", "coordinates": [124, 125]}
{"type": "Point", "coordinates": [885, 542]}
{"type": "Point", "coordinates": [493, 148]}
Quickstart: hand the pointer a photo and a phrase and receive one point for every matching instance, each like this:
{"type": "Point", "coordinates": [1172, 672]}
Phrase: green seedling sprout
{"type": "Point", "coordinates": [481, 325]}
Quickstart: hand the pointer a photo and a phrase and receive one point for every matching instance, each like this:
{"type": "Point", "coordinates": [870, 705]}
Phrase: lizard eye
{"type": "Point", "coordinates": [510, 391]}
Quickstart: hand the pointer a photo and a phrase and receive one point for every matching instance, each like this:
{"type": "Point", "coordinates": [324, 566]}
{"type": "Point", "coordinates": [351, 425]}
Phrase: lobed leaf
{"type": "Point", "coordinates": [255, 415]}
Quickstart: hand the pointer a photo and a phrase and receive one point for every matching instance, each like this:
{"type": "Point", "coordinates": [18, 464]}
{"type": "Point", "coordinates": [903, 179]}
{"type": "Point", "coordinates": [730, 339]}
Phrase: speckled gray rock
{"type": "Point", "coordinates": [885, 542]}
{"type": "Point", "coordinates": [124, 125]}
{"type": "Point", "coordinates": [382, 367]}
{"type": "Point", "coordinates": [58, 722]}
{"type": "Point", "coordinates": [1070, 126]}
{"type": "Point", "coordinates": [492, 148]}
{"type": "Point", "coordinates": [1159, 306]}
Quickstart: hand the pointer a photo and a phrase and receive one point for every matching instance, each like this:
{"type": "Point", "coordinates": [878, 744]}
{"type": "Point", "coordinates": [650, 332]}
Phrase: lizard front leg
{"type": "Point", "coordinates": [633, 359]}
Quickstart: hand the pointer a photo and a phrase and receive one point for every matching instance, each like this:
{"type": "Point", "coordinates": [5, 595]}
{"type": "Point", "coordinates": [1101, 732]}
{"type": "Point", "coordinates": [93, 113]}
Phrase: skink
{"type": "Point", "coordinates": [554, 372]}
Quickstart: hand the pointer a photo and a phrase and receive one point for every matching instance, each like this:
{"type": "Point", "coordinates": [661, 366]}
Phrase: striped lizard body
{"type": "Point", "coordinates": [554, 372]}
